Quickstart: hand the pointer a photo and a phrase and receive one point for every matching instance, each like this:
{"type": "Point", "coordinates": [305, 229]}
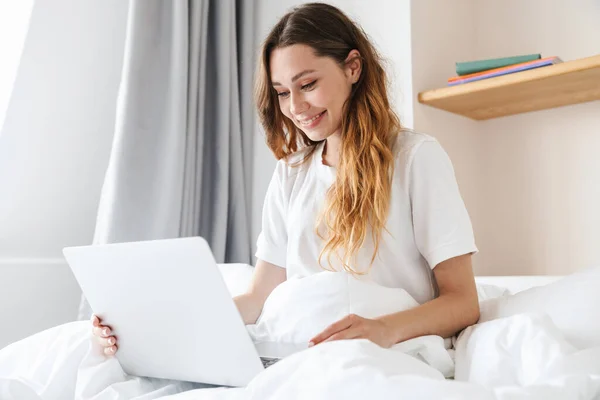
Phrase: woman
{"type": "Point", "coordinates": [353, 191]}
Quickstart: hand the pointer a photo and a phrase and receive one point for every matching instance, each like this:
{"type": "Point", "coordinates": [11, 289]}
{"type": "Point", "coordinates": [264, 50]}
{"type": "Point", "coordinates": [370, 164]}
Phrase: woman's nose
{"type": "Point", "coordinates": [298, 105]}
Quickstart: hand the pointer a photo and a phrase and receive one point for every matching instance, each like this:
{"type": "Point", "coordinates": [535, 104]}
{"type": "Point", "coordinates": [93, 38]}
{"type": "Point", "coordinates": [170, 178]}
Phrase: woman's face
{"type": "Point", "coordinates": [312, 90]}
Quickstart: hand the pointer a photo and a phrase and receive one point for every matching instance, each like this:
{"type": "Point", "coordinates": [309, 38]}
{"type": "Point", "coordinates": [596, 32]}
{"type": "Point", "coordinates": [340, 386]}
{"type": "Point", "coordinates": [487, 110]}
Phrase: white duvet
{"type": "Point", "coordinates": [520, 357]}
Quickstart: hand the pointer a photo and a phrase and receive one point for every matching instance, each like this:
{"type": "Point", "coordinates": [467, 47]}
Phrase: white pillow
{"type": "Point", "coordinates": [573, 303]}
{"type": "Point", "coordinates": [237, 277]}
{"type": "Point", "coordinates": [486, 291]}
{"type": "Point", "coordinates": [299, 309]}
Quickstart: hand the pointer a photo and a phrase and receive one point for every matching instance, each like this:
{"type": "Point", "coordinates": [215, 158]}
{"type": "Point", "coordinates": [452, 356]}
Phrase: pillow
{"type": "Point", "coordinates": [486, 291]}
{"type": "Point", "coordinates": [237, 277]}
{"type": "Point", "coordinates": [572, 302]}
{"type": "Point", "coordinates": [299, 309]}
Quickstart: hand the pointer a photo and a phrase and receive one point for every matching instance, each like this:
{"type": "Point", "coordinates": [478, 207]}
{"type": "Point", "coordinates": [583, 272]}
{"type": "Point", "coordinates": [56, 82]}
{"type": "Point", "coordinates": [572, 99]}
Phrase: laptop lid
{"type": "Point", "coordinates": [169, 308]}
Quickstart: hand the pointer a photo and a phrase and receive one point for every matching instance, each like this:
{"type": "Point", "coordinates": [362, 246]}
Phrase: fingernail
{"type": "Point", "coordinates": [111, 341]}
{"type": "Point", "coordinates": [311, 344]}
{"type": "Point", "coordinates": [105, 332]}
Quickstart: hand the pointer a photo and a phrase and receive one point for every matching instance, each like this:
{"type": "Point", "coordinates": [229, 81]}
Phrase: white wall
{"type": "Point", "coordinates": [54, 150]}
{"type": "Point", "coordinates": [531, 181]}
{"type": "Point", "coordinates": [14, 23]}
{"type": "Point", "coordinates": [388, 24]}
{"type": "Point", "coordinates": [542, 187]}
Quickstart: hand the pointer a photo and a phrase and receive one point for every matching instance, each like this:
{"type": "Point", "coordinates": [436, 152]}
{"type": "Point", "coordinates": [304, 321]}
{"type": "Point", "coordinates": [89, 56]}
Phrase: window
{"type": "Point", "coordinates": [14, 23]}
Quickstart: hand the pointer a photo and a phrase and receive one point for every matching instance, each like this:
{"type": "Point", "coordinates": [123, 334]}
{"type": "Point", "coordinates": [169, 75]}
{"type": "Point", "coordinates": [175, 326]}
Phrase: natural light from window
{"type": "Point", "coordinates": [14, 22]}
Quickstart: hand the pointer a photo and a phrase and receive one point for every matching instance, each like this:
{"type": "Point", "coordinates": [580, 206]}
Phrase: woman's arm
{"type": "Point", "coordinates": [456, 308]}
{"type": "Point", "coordinates": [266, 277]}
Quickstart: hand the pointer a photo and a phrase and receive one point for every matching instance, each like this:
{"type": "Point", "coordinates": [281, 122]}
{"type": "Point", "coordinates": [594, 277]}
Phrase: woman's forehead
{"type": "Point", "coordinates": [288, 62]}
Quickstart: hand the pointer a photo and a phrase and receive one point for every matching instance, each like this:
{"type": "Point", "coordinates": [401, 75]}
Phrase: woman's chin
{"type": "Point", "coordinates": [317, 136]}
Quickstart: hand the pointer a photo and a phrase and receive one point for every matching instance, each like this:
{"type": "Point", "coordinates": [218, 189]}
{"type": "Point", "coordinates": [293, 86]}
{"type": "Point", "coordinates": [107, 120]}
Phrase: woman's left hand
{"type": "Point", "coordinates": [354, 327]}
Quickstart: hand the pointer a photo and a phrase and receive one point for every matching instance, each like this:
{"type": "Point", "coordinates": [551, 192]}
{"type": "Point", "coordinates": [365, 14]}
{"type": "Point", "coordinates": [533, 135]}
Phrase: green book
{"type": "Point", "coordinates": [471, 67]}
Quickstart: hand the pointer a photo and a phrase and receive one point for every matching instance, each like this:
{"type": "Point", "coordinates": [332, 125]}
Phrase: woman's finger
{"type": "Point", "coordinates": [345, 335]}
{"type": "Point", "coordinates": [95, 320]}
{"type": "Point", "coordinates": [102, 331]}
{"type": "Point", "coordinates": [107, 342]}
{"type": "Point", "coordinates": [109, 351]}
{"type": "Point", "coordinates": [332, 329]}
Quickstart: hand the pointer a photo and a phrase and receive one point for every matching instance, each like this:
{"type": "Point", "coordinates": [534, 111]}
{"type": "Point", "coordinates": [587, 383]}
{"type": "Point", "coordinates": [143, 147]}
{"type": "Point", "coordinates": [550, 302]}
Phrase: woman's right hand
{"type": "Point", "coordinates": [102, 333]}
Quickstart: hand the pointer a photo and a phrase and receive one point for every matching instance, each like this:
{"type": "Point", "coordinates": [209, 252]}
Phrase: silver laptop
{"type": "Point", "coordinates": [171, 311]}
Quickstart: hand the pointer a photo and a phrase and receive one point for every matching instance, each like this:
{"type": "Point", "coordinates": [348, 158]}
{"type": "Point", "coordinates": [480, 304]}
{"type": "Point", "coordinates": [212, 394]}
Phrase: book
{"type": "Point", "coordinates": [471, 67]}
{"type": "Point", "coordinates": [504, 71]}
{"type": "Point", "coordinates": [490, 71]}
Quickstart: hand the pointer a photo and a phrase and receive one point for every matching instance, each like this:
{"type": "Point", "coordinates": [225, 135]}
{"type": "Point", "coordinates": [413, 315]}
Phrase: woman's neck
{"type": "Point", "coordinates": [332, 149]}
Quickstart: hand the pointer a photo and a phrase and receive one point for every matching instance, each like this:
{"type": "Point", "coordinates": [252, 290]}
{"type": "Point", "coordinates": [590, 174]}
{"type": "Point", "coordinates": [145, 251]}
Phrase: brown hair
{"type": "Point", "coordinates": [359, 198]}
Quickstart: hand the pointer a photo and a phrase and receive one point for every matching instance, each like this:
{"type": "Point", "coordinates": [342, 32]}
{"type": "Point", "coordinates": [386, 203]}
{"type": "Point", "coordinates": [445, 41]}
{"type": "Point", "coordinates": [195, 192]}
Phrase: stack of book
{"type": "Point", "coordinates": [471, 71]}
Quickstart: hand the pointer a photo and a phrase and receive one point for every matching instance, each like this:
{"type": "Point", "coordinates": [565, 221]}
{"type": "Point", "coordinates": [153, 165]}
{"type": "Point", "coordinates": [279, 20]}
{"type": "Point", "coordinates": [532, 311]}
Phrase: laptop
{"type": "Point", "coordinates": [171, 311]}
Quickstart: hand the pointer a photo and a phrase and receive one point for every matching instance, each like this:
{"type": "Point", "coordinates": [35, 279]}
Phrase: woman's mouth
{"type": "Point", "coordinates": [314, 121]}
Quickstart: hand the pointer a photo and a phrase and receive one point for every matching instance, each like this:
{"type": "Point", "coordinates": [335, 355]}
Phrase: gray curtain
{"type": "Point", "coordinates": [181, 157]}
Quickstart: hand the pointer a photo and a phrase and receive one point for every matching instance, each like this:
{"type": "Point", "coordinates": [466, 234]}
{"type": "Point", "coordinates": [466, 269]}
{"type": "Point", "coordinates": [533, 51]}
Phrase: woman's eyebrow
{"type": "Point", "coordinates": [297, 76]}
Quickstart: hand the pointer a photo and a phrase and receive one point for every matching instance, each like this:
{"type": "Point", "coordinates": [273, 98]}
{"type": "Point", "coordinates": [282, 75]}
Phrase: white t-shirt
{"type": "Point", "coordinates": [427, 221]}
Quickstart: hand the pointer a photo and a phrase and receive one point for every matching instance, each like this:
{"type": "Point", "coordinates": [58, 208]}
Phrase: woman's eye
{"type": "Point", "coordinates": [309, 86]}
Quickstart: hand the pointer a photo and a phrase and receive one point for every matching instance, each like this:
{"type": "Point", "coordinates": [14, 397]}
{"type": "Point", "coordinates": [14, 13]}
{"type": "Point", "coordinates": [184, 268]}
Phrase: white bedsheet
{"type": "Point", "coordinates": [519, 357]}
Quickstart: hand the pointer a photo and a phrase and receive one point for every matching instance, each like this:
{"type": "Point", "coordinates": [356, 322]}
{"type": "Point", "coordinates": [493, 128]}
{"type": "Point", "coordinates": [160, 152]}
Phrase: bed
{"type": "Point", "coordinates": [538, 338]}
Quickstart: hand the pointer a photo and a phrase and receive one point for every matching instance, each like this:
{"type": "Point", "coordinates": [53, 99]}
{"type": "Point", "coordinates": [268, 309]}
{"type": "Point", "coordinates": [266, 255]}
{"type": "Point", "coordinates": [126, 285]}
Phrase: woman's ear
{"type": "Point", "coordinates": [353, 67]}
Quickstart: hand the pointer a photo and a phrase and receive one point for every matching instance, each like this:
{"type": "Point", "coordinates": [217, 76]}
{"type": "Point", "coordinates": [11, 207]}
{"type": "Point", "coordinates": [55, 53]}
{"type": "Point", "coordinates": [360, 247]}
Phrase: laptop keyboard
{"type": "Point", "coordinates": [267, 362]}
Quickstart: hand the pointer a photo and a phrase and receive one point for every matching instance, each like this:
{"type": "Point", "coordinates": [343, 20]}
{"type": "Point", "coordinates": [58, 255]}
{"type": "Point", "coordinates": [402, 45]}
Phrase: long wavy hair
{"type": "Point", "coordinates": [358, 201]}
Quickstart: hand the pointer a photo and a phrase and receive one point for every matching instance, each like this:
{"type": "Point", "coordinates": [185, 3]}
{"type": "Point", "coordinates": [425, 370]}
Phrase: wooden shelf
{"type": "Point", "coordinates": [557, 85]}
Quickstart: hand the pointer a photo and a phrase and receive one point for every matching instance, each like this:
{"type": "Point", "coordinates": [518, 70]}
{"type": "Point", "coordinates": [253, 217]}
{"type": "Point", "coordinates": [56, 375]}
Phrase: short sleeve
{"type": "Point", "coordinates": [441, 223]}
{"type": "Point", "coordinates": [271, 245]}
